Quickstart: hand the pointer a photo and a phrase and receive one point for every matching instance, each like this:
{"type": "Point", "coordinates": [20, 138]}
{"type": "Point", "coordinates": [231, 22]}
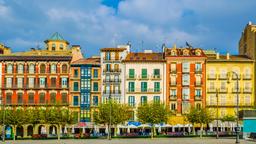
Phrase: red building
{"type": "Point", "coordinates": [185, 78]}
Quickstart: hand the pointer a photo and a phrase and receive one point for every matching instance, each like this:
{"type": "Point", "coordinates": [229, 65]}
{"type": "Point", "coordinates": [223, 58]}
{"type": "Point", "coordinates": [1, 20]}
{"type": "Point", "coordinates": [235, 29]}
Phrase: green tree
{"type": "Point", "coordinates": [200, 116]}
{"type": "Point", "coordinates": [15, 117]}
{"type": "Point", "coordinates": [58, 115]}
{"type": "Point", "coordinates": [153, 113]}
{"type": "Point", "coordinates": [119, 114]}
{"type": "Point", "coordinates": [36, 116]}
{"type": "Point", "coordinates": [228, 118]}
{"type": "Point", "coordinates": [192, 117]}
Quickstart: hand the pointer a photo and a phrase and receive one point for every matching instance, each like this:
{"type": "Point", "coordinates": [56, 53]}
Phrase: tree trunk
{"type": "Point", "coordinates": [152, 132]}
{"type": "Point", "coordinates": [14, 132]}
{"type": "Point", "coordinates": [201, 130]}
{"type": "Point", "coordinates": [58, 132]}
{"type": "Point", "coordinates": [194, 130]}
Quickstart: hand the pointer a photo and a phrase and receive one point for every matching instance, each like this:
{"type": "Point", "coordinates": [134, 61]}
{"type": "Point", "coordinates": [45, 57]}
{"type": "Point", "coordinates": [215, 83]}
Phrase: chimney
{"type": "Point", "coordinates": [217, 56]}
{"type": "Point", "coordinates": [148, 51]}
{"type": "Point", "coordinates": [249, 23]}
{"type": "Point", "coordinates": [228, 57]}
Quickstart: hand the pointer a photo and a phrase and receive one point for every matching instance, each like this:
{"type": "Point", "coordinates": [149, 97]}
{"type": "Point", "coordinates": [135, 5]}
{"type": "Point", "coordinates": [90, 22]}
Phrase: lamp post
{"type": "Point", "coordinates": [109, 127]}
{"type": "Point", "coordinates": [217, 130]}
{"type": "Point", "coordinates": [237, 107]}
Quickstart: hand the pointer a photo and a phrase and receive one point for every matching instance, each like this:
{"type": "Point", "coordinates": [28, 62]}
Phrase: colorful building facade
{"type": "Point", "coordinates": [112, 72]}
{"type": "Point", "coordinates": [86, 87]}
{"type": "Point", "coordinates": [185, 79]}
{"type": "Point", "coordinates": [221, 83]}
{"type": "Point", "coordinates": [144, 79]}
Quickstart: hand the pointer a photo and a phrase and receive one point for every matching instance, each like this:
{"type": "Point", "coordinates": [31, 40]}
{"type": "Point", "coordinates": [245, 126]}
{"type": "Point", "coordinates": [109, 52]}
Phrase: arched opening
{"type": "Point", "coordinates": [53, 130]}
{"type": "Point", "coordinates": [1, 51]}
{"type": "Point", "coordinates": [42, 129]}
{"type": "Point", "coordinates": [64, 68]}
{"type": "Point", "coordinates": [19, 131]}
{"type": "Point", "coordinates": [30, 130]}
{"type": "Point", "coordinates": [42, 68]}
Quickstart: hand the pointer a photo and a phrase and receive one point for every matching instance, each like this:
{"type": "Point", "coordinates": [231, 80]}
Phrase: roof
{"type": "Point", "coordinates": [179, 52]}
{"type": "Point", "coordinates": [144, 57]}
{"type": "Point", "coordinates": [56, 36]}
{"type": "Point", "coordinates": [232, 58]}
{"type": "Point", "coordinates": [112, 49]}
{"type": "Point", "coordinates": [35, 58]}
{"type": "Point", "coordinates": [39, 52]}
{"type": "Point", "coordinates": [83, 61]}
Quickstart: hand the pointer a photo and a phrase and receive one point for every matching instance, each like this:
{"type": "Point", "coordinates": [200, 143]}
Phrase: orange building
{"type": "Point", "coordinates": [185, 78]}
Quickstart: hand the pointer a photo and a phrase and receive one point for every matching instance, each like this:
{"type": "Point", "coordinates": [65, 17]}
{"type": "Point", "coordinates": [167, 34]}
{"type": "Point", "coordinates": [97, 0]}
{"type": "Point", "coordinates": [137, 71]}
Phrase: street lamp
{"type": "Point", "coordinates": [237, 107]}
{"type": "Point", "coordinates": [109, 127]}
{"type": "Point", "coordinates": [217, 131]}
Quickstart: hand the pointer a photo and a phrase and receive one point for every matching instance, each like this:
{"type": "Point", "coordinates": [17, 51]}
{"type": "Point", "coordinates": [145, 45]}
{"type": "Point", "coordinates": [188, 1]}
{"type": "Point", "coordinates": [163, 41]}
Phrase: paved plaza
{"type": "Point", "coordinates": [134, 141]}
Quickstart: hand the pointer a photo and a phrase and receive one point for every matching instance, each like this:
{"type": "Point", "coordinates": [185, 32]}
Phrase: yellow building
{"type": "Point", "coordinates": [221, 83]}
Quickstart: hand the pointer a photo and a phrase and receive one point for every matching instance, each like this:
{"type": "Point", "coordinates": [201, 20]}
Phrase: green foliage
{"type": "Point", "coordinates": [228, 118]}
{"type": "Point", "coordinates": [119, 113]}
{"type": "Point", "coordinates": [153, 113]}
{"type": "Point", "coordinates": [35, 116]}
{"type": "Point", "coordinates": [16, 117]}
{"type": "Point", "coordinates": [58, 115]}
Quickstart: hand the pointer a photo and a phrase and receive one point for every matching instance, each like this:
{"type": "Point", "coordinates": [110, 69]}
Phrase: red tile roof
{"type": "Point", "coordinates": [94, 61]}
{"type": "Point", "coordinates": [144, 57]}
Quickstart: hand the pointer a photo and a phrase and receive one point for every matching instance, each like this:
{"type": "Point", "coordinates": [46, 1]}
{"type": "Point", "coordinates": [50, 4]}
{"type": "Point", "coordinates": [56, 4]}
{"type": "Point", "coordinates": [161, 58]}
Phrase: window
{"type": "Point", "coordinates": [198, 93]}
{"type": "Point", "coordinates": [42, 98]}
{"type": "Point", "coordinates": [198, 80]}
{"type": "Point", "coordinates": [31, 98]}
{"type": "Point", "coordinates": [108, 56]}
{"type": "Point", "coordinates": [143, 100]}
{"type": "Point", "coordinates": [173, 80]}
{"type": "Point", "coordinates": [131, 73]}
{"type": "Point", "coordinates": [20, 69]}
{"type": "Point", "coordinates": [64, 68]}
{"type": "Point", "coordinates": [247, 74]}
{"type": "Point", "coordinates": [95, 86]}
{"type": "Point", "coordinates": [75, 101]}
{"type": "Point", "coordinates": [247, 86]}
{"type": "Point", "coordinates": [53, 68]}
{"type": "Point", "coordinates": [108, 67]}
{"type": "Point", "coordinates": [198, 67]}
{"type": "Point", "coordinates": [185, 80]}
{"type": "Point", "coordinates": [64, 98]}
{"type": "Point", "coordinates": [42, 69]}
{"type": "Point", "coordinates": [61, 46]}
{"type": "Point", "coordinates": [53, 47]}
{"type": "Point", "coordinates": [223, 74]}
{"type": "Point", "coordinates": [131, 86]}
{"type": "Point", "coordinates": [198, 106]}
{"type": "Point", "coordinates": [75, 86]}
{"type": "Point", "coordinates": [8, 82]}
{"type": "Point", "coordinates": [31, 82]}
{"type": "Point", "coordinates": [8, 98]}
{"type": "Point", "coordinates": [212, 74]}
{"type": "Point", "coordinates": [20, 98]}
{"type": "Point", "coordinates": [144, 86]}
{"type": "Point", "coordinates": [173, 92]}
{"type": "Point", "coordinates": [211, 85]}
{"type": "Point", "coordinates": [185, 67]}
{"type": "Point", "coordinates": [185, 93]}
{"type": "Point", "coordinates": [156, 86]}
{"type": "Point", "coordinates": [9, 68]}
{"type": "Point", "coordinates": [132, 116]}
{"type": "Point", "coordinates": [95, 73]}
{"type": "Point", "coordinates": [173, 68]}
{"type": "Point", "coordinates": [156, 99]}
{"type": "Point", "coordinates": [223, 86]}
{"type": "Point", "coordinates": [144, 73]}
{"type": "Point", "coordinates": [222, 99]}
{"type": "Point", "coordinates": [185, 107]}
{"type": "Point", "coordinates": [76, 73]}
{"type": "Point", "coordinates": [157, 73]}
{"type": "Point", "coordinates": [247, 100]}
{"type": "Point", "coordinates": [131, 101]}
{"type": "Point", "coordinates": [53, 98]}
{"type": "Point", "coordinates": [64, 82]}
{"type": "Point", "coordinates": [42, 82]}
{"type": "Point", "coordinates": [173, 106]}
{"type": "Point", "coordinates": [19, 82]}
{"type": "Point", "coordinates": [95, 100]}
{"type": "Point", "coordinates": [31, 68]}
{"type": "Point", "coordinates": [53, 82]}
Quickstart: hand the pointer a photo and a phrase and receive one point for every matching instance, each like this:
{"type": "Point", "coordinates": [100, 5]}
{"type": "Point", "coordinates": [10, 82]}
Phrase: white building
{"type": "Point", "coordinates": [112, 72]}
{"type": "Point", "coordinates": [144, 78]}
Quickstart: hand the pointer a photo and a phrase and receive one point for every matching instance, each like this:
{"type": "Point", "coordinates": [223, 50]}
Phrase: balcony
{"type": "Point", "coordinates": [211, 90]}
{"type": "Point", "coordinates": [111, 92]}
{"type": "Point", "coordinates": [211, 76]}
{"type": "Point", "coordinates": [145, 91]}
{"type": "Point", "coordinates": [185, 97]}
{"type": "Point", "coordinates": [173, 71]}
{"type": "Point", "coordinates": [235, 90]}
{"type": "Point", "coordinates": [247, 90]}
{"type": "Point", "coordinates": [198, 97]}
{"type": "Point", "coordinates": [111, 81]}
{"type": "Point", "coordinates": [198, 71]}
{"type": "Point", "coordinates": [111, 70]}
{"type": "Point", "coordinates": [173, 97]}
{"type": "Point", "coordinates": [223, 77]}
{"type": "Point", "coordinates": [131, 77]}
{"type": "Point", "coordinates": [198, 83]}
{"type": "Point", "coordinates": [247, 77]}
{"type": "Point", "coordinates": [223, 90]}
{"type": "Point", "coordinates": [156, 77]}
{"type": "Point", "coordinates": [112, 59]}
{"type": "Point", "coordinates": [143, 77]}
{"type": "Point", "coordinates": [173, 83]}
{"type": "Point", "coordinates": [186, 71]}
{"type": "Point", "coordinates": [234, 76]}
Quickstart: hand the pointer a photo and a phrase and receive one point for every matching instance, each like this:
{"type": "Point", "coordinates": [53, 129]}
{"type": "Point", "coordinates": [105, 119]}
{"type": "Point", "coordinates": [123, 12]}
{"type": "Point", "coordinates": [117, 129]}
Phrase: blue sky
{"type": "Point", "coordinates": [147, 24]}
